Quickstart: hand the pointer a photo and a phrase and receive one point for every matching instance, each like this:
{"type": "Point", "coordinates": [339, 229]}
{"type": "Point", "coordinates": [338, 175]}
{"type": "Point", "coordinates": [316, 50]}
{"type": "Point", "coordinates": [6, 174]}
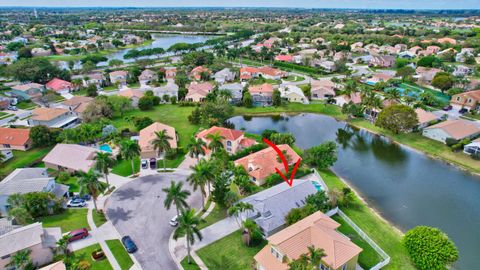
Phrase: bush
{"type": "Point", "coordinates": [142, 122]}
{"type": "Point", "coordinates": [247, 151]}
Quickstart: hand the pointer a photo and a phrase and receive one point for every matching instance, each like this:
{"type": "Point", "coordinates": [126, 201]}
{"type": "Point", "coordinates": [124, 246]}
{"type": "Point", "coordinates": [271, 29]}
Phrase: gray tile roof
{"type": "Point", "coordinates": [24, 181]}
{"type": "Point", "coordinates": [21, 238]}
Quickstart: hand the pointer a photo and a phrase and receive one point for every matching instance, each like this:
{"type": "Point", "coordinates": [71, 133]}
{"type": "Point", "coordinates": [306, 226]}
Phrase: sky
{"type": "Point", "coordinates": [363, 4]}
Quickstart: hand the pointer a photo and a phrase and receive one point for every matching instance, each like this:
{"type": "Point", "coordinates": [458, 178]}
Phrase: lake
{"type": "Point", "coordinates": [406, 187]}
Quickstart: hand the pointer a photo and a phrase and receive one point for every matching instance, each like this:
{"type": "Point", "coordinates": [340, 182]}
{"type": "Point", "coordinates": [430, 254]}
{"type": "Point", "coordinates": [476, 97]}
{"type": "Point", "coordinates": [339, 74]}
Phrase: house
{"type": "Point", "coordinates": [27, 91]}
{"type": "Point", "coordinates": [318, 230]}
{"type": "Point", "coordinates": [40, 52]}
{"type": "Point", "coordinates": [53, 117]}
{"type": "Point", "coordinates": [224, 75]}
{"type": "Point", "coordinates": [26, 180]}
{"type": "Point", "coordinates": [461, 71]}
{"type": "Point", "coordinates": [322, 89]}
{"type": "Point", "coordinates": [407, 55]}
{"type": "Point", "coordinates": [284, 58]}
{"type": "Point", "coordinates": [247, 73]}
{"type": "Point", "coordinates": [425, 75]}
{"type": "Point", "coordinates": [233, 140]}
{"type": "Point", "coordinates": [133, 94]}
{"type": "Point", "coordinates": [446, 40]}
{"type": "Point", "coordinates": [269, 43]}
{"type": "Point", "coordinates": [425, 118]}
{"type": "Point", "coordinates": [4, 103]}
{"type": "Point", "coordinates": [464, 54]}
{"type": "Point", "coordinates": [384, 61]}
{"type": "Point", "coordinates": [378, 77]}
{"type": "Point", "coordinates": [401, 47]}
{"type": "Point", "coordinates": [469, 100]}
{"type": "Point", "coordinates": [7, 58]}
{"type": "Point", "coordinates": [170, 89]}
{"type": "Point", "coordinates": [40, 241]}
{"type": "Point", "coordinates": [147, 135]}
{"type": "Point", "coordinates": [261, 164]}
{"type": "Point", "coordinates": [71, 158]}
{"type": "Point", "coordinates": [60, 265]}
{"type": "Point", "coordinates": [262, 95]}
{"type": "Point", "coordinates": [327, 66]}
{"type": "Point", "coordinates": [146, 77]}
{"type": "Point", "coordinates": [119, 77]}
{"type": "Point", "coordinates": [170, 72]}
{"type": "Point", "coordinates": [15, 139]}
{"type": "Point", "coordinates": [132, 39]}
{"type": "Point", "coordinates": [97, 79]}
{"type": "Point", "coordinates": [235, 90]}
{"type": "Point", "coordinates": [355, 98]}
{"type": "Point", "coordinates": [472, 148]}
{"type": "Point", "coordinates": [271, 206]}
{"type": "Point", "coordinates": [197, 92]}
{"type": "Point", "coordinates": [60, 86]}
{"type": "Point", "coordinates": [76, 104]}
{"type": "Point", "coordinates": [356, 46]}
{"type": "Point", "coordinates": [452, 129]}
{"type": "Point", "coordinates": [292, 93]}
{"type": "Point", "coordinates": [271, 73]}
{"type": "Point", "coordinates": [415, 49]}
{"type": "Point", "coordinates": [433, 49]}
{"type": "Point", "coordinates": [197, 72]}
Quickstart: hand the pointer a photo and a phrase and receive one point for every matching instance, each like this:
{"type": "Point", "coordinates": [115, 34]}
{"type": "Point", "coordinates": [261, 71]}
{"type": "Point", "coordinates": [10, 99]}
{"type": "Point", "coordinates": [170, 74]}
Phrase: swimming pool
{"type": "Point", "coordinates": [317, 185]}
{"type": "Point", "coordinates": [106, 148]}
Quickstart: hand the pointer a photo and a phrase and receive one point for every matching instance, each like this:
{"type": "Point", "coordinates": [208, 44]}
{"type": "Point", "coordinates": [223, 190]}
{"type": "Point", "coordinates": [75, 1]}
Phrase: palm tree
{"type": "Point", "coordinates": [162, 145]}
{"type": "Point", "coordinates": [103, 162]}
{"type": "Point", "coordinates": [203, 170]}
{"type": "Point", "coordinates": [20, 259]}
{"type": "Point", "coordinates": [215, 141]}
{"type": "Point", "coordinates": [394, 94]}
{"type": "Point", "coordinates": [249, 226]}
{"type": "Point", "coordinates": [237, 209]}
{"type": "Point", "coordinates": [198, 182]}
{"type": "Point", "coordinates": [310, 261]}
{"type": "Point", "coordinates": [188, 223]}
{"type": "Point", "coordinates": [62, 244]}
{"type": "Point", "coordinates": [196, 147]}
{"type": "Point", "coordinates": [90, 184]}
{"type": "Point", "coordinates": [176, 195]}
{"type": "Point", "coordinates": [129, 151]}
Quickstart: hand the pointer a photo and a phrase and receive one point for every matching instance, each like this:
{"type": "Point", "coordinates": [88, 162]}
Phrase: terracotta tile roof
{"type": "Point", "coordinates": [247, 142]}
{"type": "Point", "coordinates": [458, 129]}
{"type": "Point", "coordinates": [474, 95]}
{"type": "Point", "coordinates": [130, 93]}
{"type": "Point", "coordinates": [271, 71]}
{"type": "Point", "coordinates": [25, 87]}
{"type": "Point", "coordinates": [147, 135]}
{"type": "Point", "coordinates": [424, 116]}
{"type": "Point", "coordinates": [72, 156]}
{"type": "Point", "coordinates": [285, 58]}
{"type": "Point", "coordinates": [122, 73]}
{"type": "Point", "coordinates": [265, 88]}
{"type": "Point", "coordinates": [14, 136]}
{"type": "Point", "coordinates": [47, 114]}
{"type": "Point", "coordinates": [76, 100]}
{"type": "Point", "coordinates": [200, 88]}
{"type": "Point", "coordinates": [57, 84]}
{"type": "Point", "coordinates": [229, 134]}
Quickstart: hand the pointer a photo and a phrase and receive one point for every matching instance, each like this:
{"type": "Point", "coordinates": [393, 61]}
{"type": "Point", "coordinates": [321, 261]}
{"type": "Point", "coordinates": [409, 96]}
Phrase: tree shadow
{"type": "Point", "coordinates": [127, 194]}
{"type": "Point", "coordinates": [118, 214]}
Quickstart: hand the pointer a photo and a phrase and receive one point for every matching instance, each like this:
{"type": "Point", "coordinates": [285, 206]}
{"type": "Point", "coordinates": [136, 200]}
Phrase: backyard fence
{"type": "Point", "coordinates": [383, 254]}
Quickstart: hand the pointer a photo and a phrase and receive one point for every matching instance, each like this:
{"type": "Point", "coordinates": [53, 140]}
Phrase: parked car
{"type": "Point", "coordinates": [76, 202]}
{"type": "Point", "coordinates": [153, 163]}
{"type": "Point", "coordinates": [12, 108]}
{"type": "Point", "coordinates": [129, 244]}
{"type": "Point", "coordinates": [463, 110]}
{"type": "Point", "coordinates": [174, 221]}
{"type": "Point", "coordinates": [77, 234]}
{"type": "Point", "coordinates": [447, 108]}
{"type": "Point", "coordinates": [144, 164]}
{"type": "Point", "coordinates": [85, 197]}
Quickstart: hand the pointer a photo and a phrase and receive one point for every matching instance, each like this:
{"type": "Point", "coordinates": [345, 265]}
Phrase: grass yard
{"type": "Point", "coordinates": [70, 219]}
{"type": "Point", "coordinates": [218, 213]}
{"type": "Point", "coordinates": [368, 257]}
{"type": "Point", "coordinates": [110, 88]}
{"type": "Point", "coordinates": [229, 253]}
{"type": "Point", "coordinates": [134, 85]}
{"type": "Point", "coordinates": [98, 218]}
{"type": "Point", "coordinates": [81, 92]}
{"type": "Point", "coordinates": [383, 233]}
{"type": "Point", "coordinates": [124, 167]}
{"type": "Point", "coordinates": [23, 159]}
{"type": "Point", "coordinates": [189, 266]}
{"type": "Point", "coordinates": [293, 78]}
{"type": "Point", "coordinates": [73, 184]}
{"type": "Point", "coordinates": [24, 105]}
{"type": "Point", "coordinates": [120, 254]}
{"type": "Point", "coordinates": [86, 254]}
{"type": "Point", "coordinates": [326, 109]}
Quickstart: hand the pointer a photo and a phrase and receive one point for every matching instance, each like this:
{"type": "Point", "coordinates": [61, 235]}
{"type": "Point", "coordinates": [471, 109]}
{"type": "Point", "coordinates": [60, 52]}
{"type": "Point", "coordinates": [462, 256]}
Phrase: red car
{"type": "Point", "coordinates": [77, 234]}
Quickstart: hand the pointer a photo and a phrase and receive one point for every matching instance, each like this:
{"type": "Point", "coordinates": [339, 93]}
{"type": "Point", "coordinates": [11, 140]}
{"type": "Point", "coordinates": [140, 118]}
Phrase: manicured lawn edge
{"type": "Point", "coordinates": [98, 218]}
{"type": "Point", "coordinates": [186, 266]}
{"type": "Point", "coordinates": [70, 219]}
{"type": "Point", "coordinates": [120, 253]}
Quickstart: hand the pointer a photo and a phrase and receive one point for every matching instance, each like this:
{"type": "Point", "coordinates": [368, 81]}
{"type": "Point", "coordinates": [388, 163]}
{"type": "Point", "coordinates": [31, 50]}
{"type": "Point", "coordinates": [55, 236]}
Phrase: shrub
{"type": "Point", "coordinates": [247, 151]}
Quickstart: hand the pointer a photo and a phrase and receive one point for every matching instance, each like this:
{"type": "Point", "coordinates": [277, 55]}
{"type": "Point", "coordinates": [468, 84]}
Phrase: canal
{"type": "Point", "coordinates": [406, 187]}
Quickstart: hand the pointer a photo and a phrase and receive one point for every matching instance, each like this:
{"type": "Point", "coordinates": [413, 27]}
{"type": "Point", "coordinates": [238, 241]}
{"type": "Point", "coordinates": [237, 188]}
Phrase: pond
{"type": "Point", "coordinates": [404, 186]}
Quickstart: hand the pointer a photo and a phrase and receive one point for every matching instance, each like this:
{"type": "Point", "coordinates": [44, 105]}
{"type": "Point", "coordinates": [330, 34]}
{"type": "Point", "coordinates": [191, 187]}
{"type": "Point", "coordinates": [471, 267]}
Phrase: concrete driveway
{"type": "Point", "coordinates": [136, 209]}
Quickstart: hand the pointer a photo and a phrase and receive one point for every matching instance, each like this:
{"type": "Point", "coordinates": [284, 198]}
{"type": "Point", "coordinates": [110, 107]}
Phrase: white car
{"type": "Point", "coordinates": [173, 221]}
{"type": "Point", "coordinates": [76, 203]}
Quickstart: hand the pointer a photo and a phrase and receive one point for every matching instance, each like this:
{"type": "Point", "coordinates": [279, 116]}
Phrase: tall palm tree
{"type": "Point", "coordinates": [188, 223]}
{"type": "Point", "coordinates": [237, 209]}
{"type": "Point", "coordinates": [216, 143]}
{"type": "Point", "coordinates": [62, 244]}
{"type": "Point", "coordinates": [204, 170]}
{"type": "Point", "coordinates": [90, 184]}
{"type": "Point", "coordinates": [162, 145]}
{"type": "Point", "coordinates": [130, 150]}
{"type": "Point", "coordinates": [310, 261]}
{"type": "Point", "coordinates": [250, 226]}
{"type": "Point", "coordinates": [198, 182]}
{"type": "Point", "coordinates": [20, 259]}
{"type": "Point", "coordinates": [176, 195]}
{"type": "Point", "coordinates": [196, 147]}
{"type": "Point", "coordinates": [103, 162]}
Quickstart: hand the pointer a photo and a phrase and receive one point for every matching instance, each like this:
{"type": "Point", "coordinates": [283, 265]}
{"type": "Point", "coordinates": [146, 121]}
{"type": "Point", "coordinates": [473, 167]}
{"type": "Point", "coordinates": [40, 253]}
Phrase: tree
{"type": "Point", "coordinates": [405, 72]}
{"type": "Point", "coordinates": [103, 162]}
{"type": "Point", "coordinates": [161, 144]}
{"type": "Point", "coordinates": [176, 195]}
{"type": "Point", "coordinates": [90, 184]}
{"type": "Point", "coordinates": [443, 81]}
{"type": "Point", "coordinates": [20, 259]}
{"type": "Point", "coordinates": [21, 215]}
{"type": "Point", "coordinates": [251, 228]}
{"type": "Point", "coordinates": [188, 223]}
{"type": "Point", "coordinates": [36, 69]}
{"type": "Point", "coordinates": [216, 143]}
{"type": "Point", "coordinates": [196, 148]}
{"type": "Point", "coordinates": [247, 100]}
{"type": "Point", "coordinates": [202, 175]}
{"type": "Point", "coordinates": [276, 98]}
{"type": "Point", "coordinates": [119, 104]}
{"type": "Point", "coordinates": [319, 201]}
{"type": "Point", "coordinates": [237, 209]}
{"type": "Point", "coordinates": [397, 118]}
{"type": "Point", "coordinates": [115, 63]}
{"type": "Point", "coordinates": [309, 261]}
{"type": "Point", "coordinates": [282, 138]}
{"type": "Point", "coordinates": [62, 244]}
{"type": "Point", "coordinates": [130, 150]}
{"type": "Point", "coordinates": [221, 189]}
{"type": "Point", "coordinates": [97, 109]}
{"type": "Point", "coordinates": [429, 61]}
{"type": "Point", "coordinates": [142, 122]}
{"type": "Point", "coordinates": [92, 90]}
{"type": "Point", "coordinates": [322, 156]}
{"type": "Point", "coordinates": [88, 66]}
{"type": "Point", "coordinates": [42, 136]}
{"type": "Point", "coordinates": [430, 248]}
{"type": "Point", "coordinates": [25, 53]}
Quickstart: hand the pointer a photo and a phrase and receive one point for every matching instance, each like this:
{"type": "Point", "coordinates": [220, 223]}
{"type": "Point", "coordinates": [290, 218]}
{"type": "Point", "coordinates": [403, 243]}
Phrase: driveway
{"type": "Point", "coordinates": [136, 209]}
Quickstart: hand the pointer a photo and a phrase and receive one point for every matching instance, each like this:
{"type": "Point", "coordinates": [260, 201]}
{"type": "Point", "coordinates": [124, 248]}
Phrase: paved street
{"type": "Point", "coordinates": [136, 209]}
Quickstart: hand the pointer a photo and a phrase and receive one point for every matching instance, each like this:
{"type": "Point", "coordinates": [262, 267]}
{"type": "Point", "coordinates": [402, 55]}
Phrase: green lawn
{"type": "Point", "coordinates": [229, 253]}
{"type": "Point", "coordinates": [187, 266]}
{"type": "Point", "coordinates": [218, 213]}
{"type": "Point", "coordinates": [120, 254]}
{"type": "Point", "coordinates": [293, 78]}
{"type": "Point", "coordinates": [70, 219]}
{"type": "Point", "coordinates": [81, 92]}
{"type": "Point", "coordinates": [124, 167]}
{"type": "Point", "coordinates": [98, 218]}
{"type": "Point", "coordinates": [26, 105]}
{"type": "Point", "coordinates": [86, 254]}
{"type": "Point", "coordinates": [110, 88]}
{"type": "Point", "coordinates": [134, 85]}
{"type": "Point", "coordinates": [73, 184]}
{"type": "Point", "coordinates": [326, 109]}
{"type": "Point", "coordinates": [383, 233]}
{"type": "Point", "coordinates": [22, 159]}
{"type": "Point", "coordinates": [368, 257]}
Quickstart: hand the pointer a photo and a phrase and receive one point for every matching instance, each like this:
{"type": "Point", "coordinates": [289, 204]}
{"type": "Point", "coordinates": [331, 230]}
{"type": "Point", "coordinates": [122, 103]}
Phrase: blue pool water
{"type": "Point", "coordinates": [106, 148]}
{"type": "Point", "coordinates": [317, 186]}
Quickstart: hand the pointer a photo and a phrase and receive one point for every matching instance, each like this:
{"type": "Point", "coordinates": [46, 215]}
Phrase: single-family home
{"type": "Point", "coordinates": [7, 58]}
{"type": "Point", "coordinates": [197, 92]}
{"type": "Point", "coordinates": [15, 139]}
{"type": "Point", "coordinates": [76, 104]}
{"type": "Point", "coordinates": [235, 90]}
{"type": "Point", "coordinates": [97, 79]}
{"type": "Point", "coordinates": [378, 77]}
{"type": "Point", "coordinates": [60, 265]}
{"type": "Point", "coordinates": [464, 54]}
{"type": "Point", "coordinates": [472, 148]}
{"type": "Point", "coordinates": [71, 158]}
{"type": "Point", "coordinates": [40, 52]}
{"type": "Point", "coordinates": [461, 71]}
{"type": "Point", "coordinates": [170, 89]}
{"type": "Point", "coordinates": [284, 58]}
{"type": "Point", "coordinates": [119, 77]}
{"type": "Point", "coordinates": [446, 40]}
{"type": "Point", "coordinates": [401, 47]}
{"type": "Point", "coordinates": [224, 75]}
{"type": "Point", "coordinates": [271, 73]}
{"type": "Point", "coordinates": [262, 95]}
{"type": "Point", "coordinates": [425, 118]}
{"type": "Point", "coordinates": [148, 135]}
{"type": "Point", "coordinates": [170, 72]}
{"type": "Point", "coordinates": [384, 61]}
{"type": "Point", "coordinates": [271, 206]}
{"type": "Point", "coordinates": [452, 129]}
{"type": "Point", "coordinates": [232, 140]}
{"type": "Point", "coordinates": [355, 46]}
{"type": "Point", "coordinates": [27, 91]}
{"type": "Point", "coordinates": [327, 65]}
{"type": "Point", "coordinates": [292, 93]}
{"type": "Point", "coordinates": [425, 75]}
{"type": "Point", "coordinates": [146, 77]}
{"type": "Point", "coordinates": [133, 94]}
{"type": "Point", "coordinates": [406, 55]}
{"type": "Point", "coordinates": [355, 98]}
{"type": "Point", "coordinates": [322, 89]}
{"type": "Point", "coordinates": [4, 103]}
{"type": "Point", "coordinates": [197, 72]}
{"type": "Point", "coordinates": [41, 242]}
{"type": "Point", "coordinates": [59, 86]}
{"type": "Point", "coordinates": [269, 43]}
{"type": "Point", "coordinates": [53, 117]}
{"type": "Point", "coordinates": [247, 73]}
{"type": "Point", "coordinates": [467, 100]}
{"type": "Point", "coordinates": [26, 180]}
{"type": "Point", "coordinates": [317, 230]}
{"type": "Point", "coordinates": [415, 49]}
{"type": "Point", "coordinates": [261, 164]}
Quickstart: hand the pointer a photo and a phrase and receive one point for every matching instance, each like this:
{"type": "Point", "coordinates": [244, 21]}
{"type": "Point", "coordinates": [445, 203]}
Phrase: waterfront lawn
{"type": "Point", "coordinates": [85, 254]}
{"type": "Point", "coordinates": [70, 219]}
{"type": "Point", "coordinates": [330, 110]}
{"type": "Point", "coordinates": [120, 254]}
{"type": "Point", "coordinates": [383, 233]}
{"type": "Point", "coordinates": [229, 253]}
{"type": "Point", "coordinates": [98, 218]}
{"type": "Point", "coordinates": [124, 167]}
{"type": "Point", "coordinates": [189, 266]}
{"type": "Point", "coordinates": [22, 159]}
{"type": "Point", "coordinates": [424, 144]}
{"type": "Point", "coordinates": [368, 257]}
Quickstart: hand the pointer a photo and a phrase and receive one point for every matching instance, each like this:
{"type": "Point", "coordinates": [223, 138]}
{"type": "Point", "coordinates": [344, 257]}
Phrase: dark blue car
{"type": "Point", "coordinates": [129, 244]}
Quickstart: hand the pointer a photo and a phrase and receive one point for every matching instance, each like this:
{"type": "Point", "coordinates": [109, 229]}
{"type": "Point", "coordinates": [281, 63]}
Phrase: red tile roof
{"type": "Point", "coordinates": [58, 85]}
{"type": "Point", "coordinates": [229, 134]}
{"type": "Point", "coordinates": [14, 136]}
